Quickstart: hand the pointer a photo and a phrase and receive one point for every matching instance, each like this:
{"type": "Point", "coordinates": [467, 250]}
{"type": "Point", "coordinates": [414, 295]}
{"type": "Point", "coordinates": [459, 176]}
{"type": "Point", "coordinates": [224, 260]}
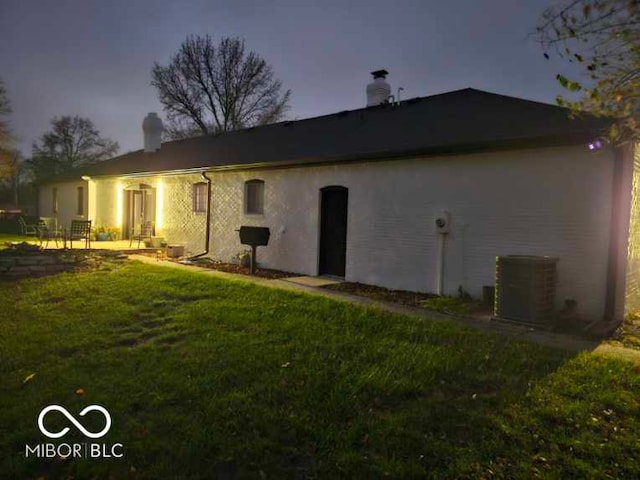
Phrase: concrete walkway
{"type": "Point", "coordinates": [550, 339]}
{"type": "Point", "coordinates": [312, 281]}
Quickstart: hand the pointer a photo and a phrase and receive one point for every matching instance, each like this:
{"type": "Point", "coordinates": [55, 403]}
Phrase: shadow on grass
{"type": "Point", "coordinates": [207, 378]}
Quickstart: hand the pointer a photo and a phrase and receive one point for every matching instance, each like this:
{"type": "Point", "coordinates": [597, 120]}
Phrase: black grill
{"type": "Point", "coordinates": [254, 237]}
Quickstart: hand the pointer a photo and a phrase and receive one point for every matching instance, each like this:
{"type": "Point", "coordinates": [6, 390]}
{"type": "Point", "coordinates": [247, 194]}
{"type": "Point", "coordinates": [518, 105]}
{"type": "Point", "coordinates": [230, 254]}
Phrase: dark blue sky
{"type": "Point", "coordinates": [93, 58]}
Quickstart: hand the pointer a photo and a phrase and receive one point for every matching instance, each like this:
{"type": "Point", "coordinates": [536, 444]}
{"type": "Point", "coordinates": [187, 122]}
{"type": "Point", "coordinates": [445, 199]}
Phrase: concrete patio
{"type": "Point", "coordinates": [95, 245]}
{"type": "Point", "coordinates": [122, 245]}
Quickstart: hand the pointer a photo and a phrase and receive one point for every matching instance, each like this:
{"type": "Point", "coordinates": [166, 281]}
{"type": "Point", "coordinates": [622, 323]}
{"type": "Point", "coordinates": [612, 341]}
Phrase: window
{"type": "Point", "coordinates": [54, 200]}
{"type": "Point", "coordinates": [200, 197]}
{"type": "Point", "coordinates": [80, 209]}
{"type": "Point", "coordinates": [254, 197]}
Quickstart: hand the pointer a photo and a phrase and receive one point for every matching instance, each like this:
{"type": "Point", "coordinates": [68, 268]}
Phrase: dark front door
{"type": "Point", "coordinates": [333, 230]}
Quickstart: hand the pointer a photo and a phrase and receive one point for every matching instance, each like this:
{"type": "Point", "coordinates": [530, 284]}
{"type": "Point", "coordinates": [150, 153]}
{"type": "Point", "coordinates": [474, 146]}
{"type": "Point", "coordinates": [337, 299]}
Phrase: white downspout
{"type": "Point", "coordinates": [442, 221]}
{"type": "Point", "coordinates": [440, 264]}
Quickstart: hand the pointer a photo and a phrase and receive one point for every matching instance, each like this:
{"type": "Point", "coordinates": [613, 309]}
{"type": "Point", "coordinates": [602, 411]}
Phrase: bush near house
{"type": "Point", "coordinates": [106, 233]}
{"type": "Point", "coordinates": [628, 332]}
{"type": "Point", "coordinates": [207, 378]}
{"type": "Point", "coordinates": [452, 305]}
{"type": "Point", "coordinates": [9, 223]}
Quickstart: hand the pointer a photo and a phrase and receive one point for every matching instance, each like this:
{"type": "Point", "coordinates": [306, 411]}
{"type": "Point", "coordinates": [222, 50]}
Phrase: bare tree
{"type": "Point", "coordinates": [210, 88]}
{"type": "Point", "coordinates": [603, 36]}
{"type": "Point", "coordinates": [72, 142]}
{"type": "Point", "coordinates": [12, 182]}
{"type": "Point", "coordinates": [178, 128]}
{"type": "Point", "coordinates": [7, 162]}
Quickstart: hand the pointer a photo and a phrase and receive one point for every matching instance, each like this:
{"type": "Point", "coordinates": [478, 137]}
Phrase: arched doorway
{"type": "Point", "coordinates": [333, 230]}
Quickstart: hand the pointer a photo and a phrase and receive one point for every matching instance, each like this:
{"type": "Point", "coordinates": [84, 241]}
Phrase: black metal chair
{"type": "Point", "coordinates": [80, 230]}
{"type": "Point", "coordinates": [27, 229]}
{"type": "Point", "coordinates": [49, 229]}
{"type": "Point", "coordinates": [145, 232]}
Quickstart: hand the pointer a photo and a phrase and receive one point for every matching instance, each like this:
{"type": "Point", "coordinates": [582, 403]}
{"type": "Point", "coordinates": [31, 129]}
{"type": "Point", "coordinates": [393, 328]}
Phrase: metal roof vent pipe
{"type": "Point", "coordinates": [378, 91]}
{"type": "Point", "coordinates": [152, 128]}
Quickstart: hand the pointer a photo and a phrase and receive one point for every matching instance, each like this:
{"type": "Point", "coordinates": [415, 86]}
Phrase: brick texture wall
{"type": "Point", "coordinates": [554, 201]}
{"type": "Point", "coordinates": [179, 224]}
{"type": "Point", "coordinates": [67, 202]}
{"type": "Point", "coordinates": [551, 201]}
{"type": "Point", "coordinates": [632, 290]}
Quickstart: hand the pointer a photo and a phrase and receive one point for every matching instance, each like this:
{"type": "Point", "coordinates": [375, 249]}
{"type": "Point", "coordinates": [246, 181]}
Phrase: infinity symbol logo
{"type": "Point", "coordinates": [77, 424]}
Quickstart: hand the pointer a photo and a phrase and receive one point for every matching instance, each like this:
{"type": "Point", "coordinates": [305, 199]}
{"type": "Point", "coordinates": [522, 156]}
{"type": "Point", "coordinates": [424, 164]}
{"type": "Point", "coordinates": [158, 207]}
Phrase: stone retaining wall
{"type": "Point", "coordinates": [33, 265]}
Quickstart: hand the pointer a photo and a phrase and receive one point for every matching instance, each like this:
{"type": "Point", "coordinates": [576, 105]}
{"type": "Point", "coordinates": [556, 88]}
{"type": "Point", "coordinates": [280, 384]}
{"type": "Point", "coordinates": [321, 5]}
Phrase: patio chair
{"type": "Point", "coordinates": [145, 232]}
{"type": "Point", "coordinates": [48, 229]}
{"type": "Point", "coordinates": [27, 229]}
{"type": "Point", "coordinates": [80, 230]}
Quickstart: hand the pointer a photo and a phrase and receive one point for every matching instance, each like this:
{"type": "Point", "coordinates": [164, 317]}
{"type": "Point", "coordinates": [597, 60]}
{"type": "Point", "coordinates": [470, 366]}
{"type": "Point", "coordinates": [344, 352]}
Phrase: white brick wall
{"type": "Point", "coordinates": [105, 211]}
{"type": "Point", "coordinates": [179, 223]}
{"type": "Point", "coordinates": [67, 202]}
{"type": "Point", "coordinates": [553, 201]}
{"type": "Point", "coordinates": [537, 202]}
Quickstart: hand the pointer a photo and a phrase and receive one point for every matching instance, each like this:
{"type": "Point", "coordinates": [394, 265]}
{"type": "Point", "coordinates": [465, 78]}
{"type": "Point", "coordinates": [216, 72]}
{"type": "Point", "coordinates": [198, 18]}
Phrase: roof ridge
{"type": "Point", "coordinates": [519, 99]}
{"type": "Point", "coordinates": [344, 113]}
{"type": "Point", "coordinates": [420, 121]}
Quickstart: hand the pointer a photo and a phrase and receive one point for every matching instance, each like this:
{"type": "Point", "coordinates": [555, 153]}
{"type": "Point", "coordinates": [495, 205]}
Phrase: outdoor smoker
{"type": "Point", "coordinates": [254, 237]}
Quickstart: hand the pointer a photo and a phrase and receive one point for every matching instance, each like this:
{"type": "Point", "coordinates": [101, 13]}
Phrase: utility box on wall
{"type": "Point", "coordinates": [175, 251]}
{"type": "Point", "coordinates": [525, 288]}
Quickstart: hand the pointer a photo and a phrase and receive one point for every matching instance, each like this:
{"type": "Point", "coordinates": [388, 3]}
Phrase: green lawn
{"type": "Point", "coordinates": [8, 237]}
{"type": "Point", "coordinates": [206, 378]}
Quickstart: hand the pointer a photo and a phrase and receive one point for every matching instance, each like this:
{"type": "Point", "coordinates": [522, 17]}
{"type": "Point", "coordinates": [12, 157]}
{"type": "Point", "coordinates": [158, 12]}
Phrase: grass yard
{"type": "Point", "coordinates": [206, 378]}
{"type": "Point", "coordinates": [8, 237]}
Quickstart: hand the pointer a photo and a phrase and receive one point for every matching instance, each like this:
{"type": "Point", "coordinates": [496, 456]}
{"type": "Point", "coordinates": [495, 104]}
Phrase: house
{"type": "Point", "coordinates": [356, 194]}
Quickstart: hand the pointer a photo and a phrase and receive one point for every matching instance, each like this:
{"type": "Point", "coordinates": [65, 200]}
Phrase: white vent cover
{"type": "Point", "coordinates": [378, 91]}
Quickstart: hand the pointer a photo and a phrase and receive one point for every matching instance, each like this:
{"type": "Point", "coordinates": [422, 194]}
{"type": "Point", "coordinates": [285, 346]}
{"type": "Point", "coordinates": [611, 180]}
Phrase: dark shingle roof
{"type": "Point", "coordinates": [459, 121]}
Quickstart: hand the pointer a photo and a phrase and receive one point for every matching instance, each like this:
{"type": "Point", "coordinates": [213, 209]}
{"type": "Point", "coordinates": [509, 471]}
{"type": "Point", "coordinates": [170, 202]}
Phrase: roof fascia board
{"type": "Point", "coordinates": [452, 150]}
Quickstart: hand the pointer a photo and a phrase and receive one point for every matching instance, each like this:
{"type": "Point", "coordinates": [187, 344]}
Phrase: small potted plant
{"type": "Point", "coordinates": [114, 233]}
{"type": "Point", "coordinates": [105, 233]}
{"type": "Point", "coordinates": [101, 234]}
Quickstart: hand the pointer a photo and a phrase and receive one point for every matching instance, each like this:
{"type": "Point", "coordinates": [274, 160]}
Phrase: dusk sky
{"type": "Point", "coordinates": [94, 58]}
